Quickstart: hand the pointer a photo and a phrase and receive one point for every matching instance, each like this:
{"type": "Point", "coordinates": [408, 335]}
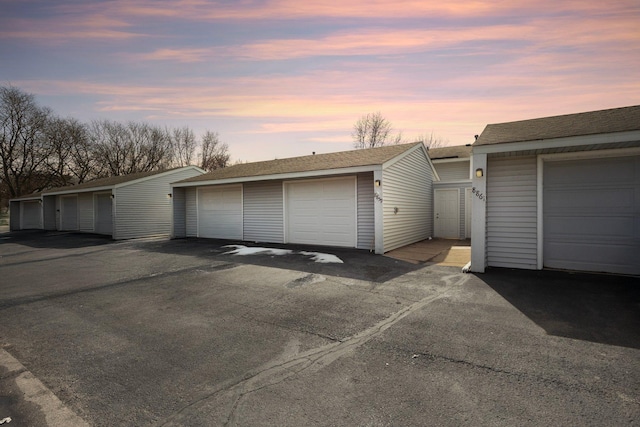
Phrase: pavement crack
{"type": "Point", "coordinates": [310, 361]}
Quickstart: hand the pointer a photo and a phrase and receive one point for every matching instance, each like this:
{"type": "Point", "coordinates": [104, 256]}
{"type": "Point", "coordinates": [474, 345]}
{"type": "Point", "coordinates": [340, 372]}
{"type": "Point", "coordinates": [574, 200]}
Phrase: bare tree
{"type": "Point", "coordinates": [214, 154]}
{"type": "Point", "coordinates": [431, 141]}
{"type": "Point", "coordinates": [124, 149]}
{"type": "Point", "coordinates": [184, 146]}
{"type": "Point", "coordinates": [68, 161]}
{"type": "Point", "coordinates": [23, 144]}
{"type": "Point", "coordinates": [373, 130]}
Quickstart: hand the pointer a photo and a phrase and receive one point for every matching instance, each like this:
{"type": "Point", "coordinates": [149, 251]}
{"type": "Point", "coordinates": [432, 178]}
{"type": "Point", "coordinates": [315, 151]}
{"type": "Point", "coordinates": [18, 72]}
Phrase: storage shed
{"type": "Point", "coordinates": [375, 199]}
{"type": "Point", "coordinates": [559, 192]}
{"type": "Point", "coordinates": [452, 194]}
{"type": "Point", "coordinates": [124, 207]}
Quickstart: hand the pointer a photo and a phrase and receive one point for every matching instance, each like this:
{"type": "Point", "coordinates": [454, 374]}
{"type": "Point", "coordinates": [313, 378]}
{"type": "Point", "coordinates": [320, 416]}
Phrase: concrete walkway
{"type": "Point", "coordinates": [448, 252]}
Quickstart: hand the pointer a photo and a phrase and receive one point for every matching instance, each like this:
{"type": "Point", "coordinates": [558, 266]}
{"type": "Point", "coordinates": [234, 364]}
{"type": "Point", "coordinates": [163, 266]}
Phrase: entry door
{"type": "Point", "coordinates": [103, 220]}
{"type": "Point", "coordinates": [69, 213]}
{"type": "Point", "coordinates": [447, 211]}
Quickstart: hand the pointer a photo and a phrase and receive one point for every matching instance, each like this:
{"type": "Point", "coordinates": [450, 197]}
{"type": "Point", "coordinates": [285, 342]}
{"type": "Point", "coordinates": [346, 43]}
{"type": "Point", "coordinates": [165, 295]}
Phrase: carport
{"type": "Point", "coordinates": [559, 192]}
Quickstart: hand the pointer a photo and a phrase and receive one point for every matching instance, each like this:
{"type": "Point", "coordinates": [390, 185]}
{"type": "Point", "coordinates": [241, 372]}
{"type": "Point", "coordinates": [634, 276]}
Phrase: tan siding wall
{"type": "Point", "coordinates": [179, 202]}
{"type": "Point", "coordinates": [512, 212]}
{"type": "Point", "coordinates": [407, 185]}
{"type": "Point", "coordinates": [144, 209]}
{"type": "Point", "coordinates": [85, 212]}
{"type": "Point", "coordinates": [263, 212]}
{"type": "Point", "coordinates": [365, 219]}
{"type": "Point", "coordinates": [49, 212]}
{"type": "Point", "coordinates": [453, 171]}
{"type": "Point", "coordinates": [191, 220]}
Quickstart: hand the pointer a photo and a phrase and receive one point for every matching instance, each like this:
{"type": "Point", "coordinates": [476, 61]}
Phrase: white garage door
{"type": "Point", "coordinates": [322, 212]}
{"type": "Point", "coordinates": [69, 213]}
{"type": "Point", "coordinates": [592, 215]}
{"type": "Point", "coordinates": [31, 215]}
{"type": "Point", "coordinates": [103, 217]}
{"type": "Point", "coordinates": [220, 212]}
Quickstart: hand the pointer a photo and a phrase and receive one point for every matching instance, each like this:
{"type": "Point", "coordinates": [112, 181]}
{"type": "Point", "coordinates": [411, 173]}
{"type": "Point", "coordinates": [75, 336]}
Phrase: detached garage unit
{"type": "Point", "coordinates": [26, 213]}
{"type": "Point", "coordinates": [375, 199]}
{"type": "Point", "coordinates": [124, 207]}
{"type": "Point", "coordinates": [560, 192]}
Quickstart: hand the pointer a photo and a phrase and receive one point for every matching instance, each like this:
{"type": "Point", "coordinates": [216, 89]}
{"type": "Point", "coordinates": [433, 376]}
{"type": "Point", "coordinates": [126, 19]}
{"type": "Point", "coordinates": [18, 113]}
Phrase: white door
{"type": "Point", "coordinates": [103, 222]}
{"type": "Point", "coordinates": [447, 211]}
{"type": "Point", "coordinates": [220, 212]}
{"type": "Point", "coordinates": [322, 212]}
{"type": "Point", "coordinates": [591, 214]}
{"type": "Point", "coordinates": [31, 215]}
{"type": "Point", "coordinates": [69, 212]}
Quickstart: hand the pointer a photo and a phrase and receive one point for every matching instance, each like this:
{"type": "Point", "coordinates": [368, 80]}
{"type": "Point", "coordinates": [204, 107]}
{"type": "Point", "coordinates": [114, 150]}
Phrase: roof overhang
{"type": "Point", "coordinates": [82, 190]}
{"type": "Point", "coordinates": [607, 140]}
{"type": "Point", "coordinates": [27, 199]}
{"type": "Point", "coordinates": [291, 175]}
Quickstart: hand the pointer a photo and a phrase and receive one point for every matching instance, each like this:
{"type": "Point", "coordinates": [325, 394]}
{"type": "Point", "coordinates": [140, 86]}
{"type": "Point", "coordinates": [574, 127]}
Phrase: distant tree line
{"type": "Point", "coordinates": [39, 150]}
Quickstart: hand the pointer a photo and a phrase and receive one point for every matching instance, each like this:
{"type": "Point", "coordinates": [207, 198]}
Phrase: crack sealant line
{"type": "Point", "coordinates": [312, 360]}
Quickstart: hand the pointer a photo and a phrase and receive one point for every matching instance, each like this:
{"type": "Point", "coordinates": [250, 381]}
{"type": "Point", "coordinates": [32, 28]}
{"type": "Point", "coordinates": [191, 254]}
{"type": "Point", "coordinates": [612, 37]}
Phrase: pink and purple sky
{"type": "Point", "coordinates": [282, 78]}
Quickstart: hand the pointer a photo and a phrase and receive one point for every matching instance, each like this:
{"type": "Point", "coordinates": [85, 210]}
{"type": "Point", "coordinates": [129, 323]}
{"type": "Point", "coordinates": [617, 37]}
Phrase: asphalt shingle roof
{"type": "Point", "coordinates": [590, 123]}
{"type": "Point", "coordinates": [107, 182]}
{"type": "Point", "coordinates": [316, 162]}
{"type": "Point", "coordinates": [456, 151]}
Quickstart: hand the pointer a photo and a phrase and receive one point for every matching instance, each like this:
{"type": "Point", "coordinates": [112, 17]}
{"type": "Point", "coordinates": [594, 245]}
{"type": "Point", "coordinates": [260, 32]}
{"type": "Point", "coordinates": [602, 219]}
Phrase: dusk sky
{"type": "Point", "coordinates": [282, 78]}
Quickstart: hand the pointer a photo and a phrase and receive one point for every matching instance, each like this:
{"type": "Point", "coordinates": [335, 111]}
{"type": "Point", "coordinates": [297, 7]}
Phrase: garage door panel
{"type": "Point", "coordinates": [592, 198]}
{"type": "Point", "coordinates": [220, 213]}
{"type": "Point", "coordinates": [591, 215]}
{"type": "Point", "coordinates": [69, 213]}
{"type": "Point", "coordinates": [322, 212]}
{"type": "Point", "coordinates": [104, 214]}
{"type": "Point", "coordinates": [31, 215]}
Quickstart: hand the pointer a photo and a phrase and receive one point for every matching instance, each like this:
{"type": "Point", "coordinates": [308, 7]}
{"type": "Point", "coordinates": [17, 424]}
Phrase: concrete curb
{"type": "Point", "coordinates": [32, 389]}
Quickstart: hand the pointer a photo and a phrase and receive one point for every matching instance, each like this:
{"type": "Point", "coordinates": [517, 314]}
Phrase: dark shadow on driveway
{"type": "Point", "coordinates": [591, 307]}
{"type": "Point", "coordinates": [357, 264]}
{"type": "Point", "coordinates": [54, 239]}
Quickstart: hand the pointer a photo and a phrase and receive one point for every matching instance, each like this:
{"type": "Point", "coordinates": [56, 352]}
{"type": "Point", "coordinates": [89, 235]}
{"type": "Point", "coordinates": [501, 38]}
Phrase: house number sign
{"type": "Point", "coordinates": [478, 194]}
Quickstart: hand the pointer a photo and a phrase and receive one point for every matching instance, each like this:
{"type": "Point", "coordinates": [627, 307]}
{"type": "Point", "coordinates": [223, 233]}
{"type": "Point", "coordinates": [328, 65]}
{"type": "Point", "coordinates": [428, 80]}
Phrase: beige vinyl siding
{"type": "Point", "coordinates": [263, 212]}
{"type": "Point", "coordinates": [14, 216]}
{"type": "Point", "coordinates": [453, 171]}
{"type": "Point", "coordinates": [191, 218]}
{"type": "Point", "coordinates": [85, 212]}
{"type": "Point", "coordinates": [49, 212]}
{"type": "Point", "coordinates": [512, 212]}
{"type": "Point", "coordinates": [365, 218]}
{"type": "Point", "coordinates": [408, 186]}
{"type": "Point", "coordinates": [144, 208]}
{"type": "Point", "coordinates": [179, 202]}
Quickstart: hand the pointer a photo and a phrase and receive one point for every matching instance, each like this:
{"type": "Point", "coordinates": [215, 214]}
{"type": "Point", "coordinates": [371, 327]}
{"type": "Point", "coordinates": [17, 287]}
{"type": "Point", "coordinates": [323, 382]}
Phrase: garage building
{"type": "Point", "coordinates": [124, 207]}
{"type": "Point", "coordinates": [559, 192]}
{"type": "Point", "coordinates": [376, 199]}
{"type": "Point", "coordinates": [26, 212]}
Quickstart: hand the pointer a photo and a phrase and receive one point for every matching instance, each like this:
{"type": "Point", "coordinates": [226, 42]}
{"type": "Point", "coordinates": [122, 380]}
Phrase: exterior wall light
{"type": "Point", "coordinates": [377, 183]}
{"type": "Point", "coordinates": [169, 195]}
{"type": "Point", "coordinates": [479, 173]}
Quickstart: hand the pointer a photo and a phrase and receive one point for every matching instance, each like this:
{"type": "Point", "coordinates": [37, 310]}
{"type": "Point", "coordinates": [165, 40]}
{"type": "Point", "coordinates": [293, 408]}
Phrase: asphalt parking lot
{"type": "Point", "coordinates": [172, 333]}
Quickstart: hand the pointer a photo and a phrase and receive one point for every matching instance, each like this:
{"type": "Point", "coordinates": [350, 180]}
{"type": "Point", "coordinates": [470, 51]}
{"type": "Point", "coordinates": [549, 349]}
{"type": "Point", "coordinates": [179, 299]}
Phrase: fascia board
{"type": "Point", "coordinates": [292, 175]}
{"type": "Point", "coordinates": [453, 160]}
{"type": "Point", "coordinates": [158, 175]}
{"type": "Point", "coordinates": [571, 141]}
{"type": "Point", "coordinates": [76, 191]}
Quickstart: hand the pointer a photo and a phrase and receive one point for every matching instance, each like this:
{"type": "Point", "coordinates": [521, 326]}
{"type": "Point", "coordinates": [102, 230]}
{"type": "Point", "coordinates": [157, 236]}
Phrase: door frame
{"type": "Point", "coordinates": [435, 211]}
{"type": "Point", "coordinates": [468, 212]}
